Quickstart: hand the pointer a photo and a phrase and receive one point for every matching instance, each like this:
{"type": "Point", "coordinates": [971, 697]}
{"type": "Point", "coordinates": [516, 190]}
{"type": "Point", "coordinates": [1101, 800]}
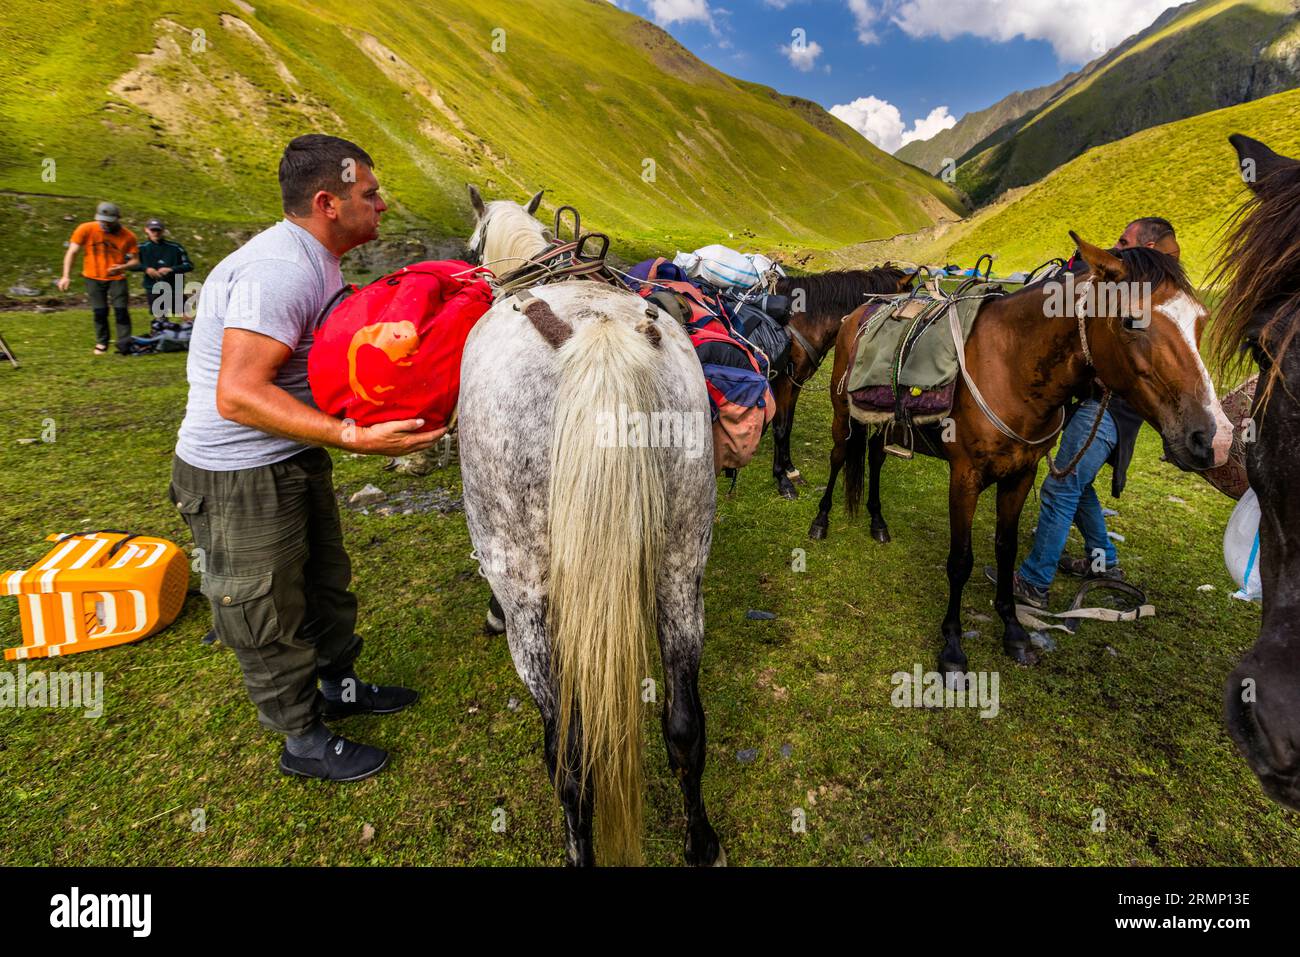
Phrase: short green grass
{"type": "Point", "coordinates": [1123, 717]}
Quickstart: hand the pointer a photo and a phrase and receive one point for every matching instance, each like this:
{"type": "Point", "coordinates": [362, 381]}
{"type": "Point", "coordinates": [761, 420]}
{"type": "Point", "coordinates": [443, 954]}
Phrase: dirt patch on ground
{"type": "Point", "coordinates": [408, 79]}
{"type": "Point", "coordinates": [174, 83]}
{"type": "Point", "coordinates": [238, 26]}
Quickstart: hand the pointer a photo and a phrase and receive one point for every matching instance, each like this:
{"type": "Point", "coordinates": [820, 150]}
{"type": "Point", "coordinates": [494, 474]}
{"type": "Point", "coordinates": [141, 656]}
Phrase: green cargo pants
{"type": "Point", "coordinates": [277, 574]}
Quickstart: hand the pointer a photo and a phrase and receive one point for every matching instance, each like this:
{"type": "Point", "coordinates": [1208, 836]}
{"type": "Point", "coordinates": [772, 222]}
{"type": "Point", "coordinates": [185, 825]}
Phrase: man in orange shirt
{"type": "Point", "coordinates": [111, 249]}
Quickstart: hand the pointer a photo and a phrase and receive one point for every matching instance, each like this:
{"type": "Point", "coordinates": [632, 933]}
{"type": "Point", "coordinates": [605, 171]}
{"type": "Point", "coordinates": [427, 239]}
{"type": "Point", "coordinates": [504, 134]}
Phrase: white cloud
{"type": "Point", "coordinates": [667, 12]}
{"type": "Point", "coordinates": [804, 56]}
{"type": "Point", "coordinates": [923, 129]}
{"type": "Point", "coordinates": [864, 18]}
{"type": "Point", "coordinates": [881, 122]}
{"type": "Point", "coordinates": [1078, 30]}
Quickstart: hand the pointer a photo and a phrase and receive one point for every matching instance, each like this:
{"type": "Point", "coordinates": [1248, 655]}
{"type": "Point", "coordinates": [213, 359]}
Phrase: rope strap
{"type": "Point", "coordinates": [954, 323]}
{"type": "Point", "coordinates": [1029, 616]}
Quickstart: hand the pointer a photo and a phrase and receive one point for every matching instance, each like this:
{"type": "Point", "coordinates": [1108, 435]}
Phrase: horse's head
{"type": "Point", "coordinates": [1144, 323]}
{"type": "Point", "coordinates": [505, 234]}
{"type": "Point", "coordinates": [1259, 316]}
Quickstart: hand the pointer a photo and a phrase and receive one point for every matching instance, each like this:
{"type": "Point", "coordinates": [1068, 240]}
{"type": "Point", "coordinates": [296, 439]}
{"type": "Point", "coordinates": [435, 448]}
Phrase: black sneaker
{"type": "Point", "coordinates": [370, 699]}
{"type": "Point", "coordinates": [343, 760]}
{"type": "Point", "coordinates": [1021, 590]}
{"type": "Point", "coordinates": [1082, 568]}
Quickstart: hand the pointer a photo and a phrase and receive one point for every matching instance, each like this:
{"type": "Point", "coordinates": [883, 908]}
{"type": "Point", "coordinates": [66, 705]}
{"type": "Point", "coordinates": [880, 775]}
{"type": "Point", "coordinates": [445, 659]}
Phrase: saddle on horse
{"type": "Point", "coordinates": [905, 365]}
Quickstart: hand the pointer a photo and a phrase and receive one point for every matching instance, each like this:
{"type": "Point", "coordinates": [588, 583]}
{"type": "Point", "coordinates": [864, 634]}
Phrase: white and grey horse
{"type": "Point", "coordinates": [592, 534]}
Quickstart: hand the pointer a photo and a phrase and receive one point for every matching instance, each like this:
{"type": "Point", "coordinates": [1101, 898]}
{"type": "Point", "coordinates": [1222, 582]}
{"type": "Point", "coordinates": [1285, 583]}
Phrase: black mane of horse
{"type": "Point", "coordinates": [841, 289]}
{"type": "Point", "coordinates": [1259, 266]}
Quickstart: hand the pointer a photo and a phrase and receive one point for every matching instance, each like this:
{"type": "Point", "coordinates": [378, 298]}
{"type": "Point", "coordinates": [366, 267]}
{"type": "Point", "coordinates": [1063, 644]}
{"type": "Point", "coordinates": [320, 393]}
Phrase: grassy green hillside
{"type": "Point", "coordinates": [1185, 171]}
{"type": "Point", "coordinates": [1201, 57]}
{"type": "Point", "coordinates": [186, 115]}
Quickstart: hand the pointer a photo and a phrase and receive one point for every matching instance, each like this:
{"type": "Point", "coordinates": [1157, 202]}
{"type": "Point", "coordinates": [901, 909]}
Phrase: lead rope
{"type": "Point", "coordinates": [1068, 470]}
{"type": "Point", "coordinates": [954, 324]}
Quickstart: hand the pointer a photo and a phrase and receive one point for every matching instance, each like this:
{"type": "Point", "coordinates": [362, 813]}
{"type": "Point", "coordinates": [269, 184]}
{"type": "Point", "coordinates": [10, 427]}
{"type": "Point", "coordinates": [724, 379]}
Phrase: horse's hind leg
{"type": "Point", "coordinates": [681, 638]}
{"type": "Point", "coordinates": [530, 648]}
{"type": "Point", "coordinates": [840, 435]}
{"type": "Point", "coordinates": [579, 808]}
{"type": "Point", "coordinates": [1011, 499]}
{"type": "Point", "coordinates": [786, 395]}
{"type": "Point", "coordinates": [963, 495]}
{"type": "Point", "coordinates": [875, 461]}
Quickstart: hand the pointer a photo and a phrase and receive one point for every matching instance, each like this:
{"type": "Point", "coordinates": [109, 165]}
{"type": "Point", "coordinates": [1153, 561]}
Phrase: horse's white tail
{"type": "Point", "coordinates": [606, 535]}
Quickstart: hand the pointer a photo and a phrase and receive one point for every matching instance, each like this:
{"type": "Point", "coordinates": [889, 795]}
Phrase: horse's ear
{"type": "Point", "coordinates": [1104, 265]}
{"type": "Point", "coordinates": [477, 201]}
{"type": "Point", "coordinates": [1255, 161]}
{"type": "Point", "coordinates": [535, 202]}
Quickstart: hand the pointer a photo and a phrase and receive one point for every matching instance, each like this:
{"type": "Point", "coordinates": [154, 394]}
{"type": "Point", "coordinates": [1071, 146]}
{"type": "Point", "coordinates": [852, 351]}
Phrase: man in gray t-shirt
{"type": "Point", "coordinates": [252, 478]}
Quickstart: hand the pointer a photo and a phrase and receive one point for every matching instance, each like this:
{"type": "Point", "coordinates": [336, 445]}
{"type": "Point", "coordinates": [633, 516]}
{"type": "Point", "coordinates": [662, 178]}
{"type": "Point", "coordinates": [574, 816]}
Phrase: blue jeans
{"type": "Point", "coordinates": [1072, 499]}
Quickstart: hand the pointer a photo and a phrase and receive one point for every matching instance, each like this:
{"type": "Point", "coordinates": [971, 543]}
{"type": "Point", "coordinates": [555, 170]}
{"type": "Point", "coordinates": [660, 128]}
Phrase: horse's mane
{"type": "Point", "coordinates": [515, 238]}
{"type": "Point", "coordinates": [1259, 262]}
{"type": "Point", "coordinates": [841, 289]}
{"type": "Point", "coordinates": [1146, 265]}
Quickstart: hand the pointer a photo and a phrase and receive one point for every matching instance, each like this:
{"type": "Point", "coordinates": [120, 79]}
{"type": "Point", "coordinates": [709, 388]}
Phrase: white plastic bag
{"type": "Point", "coordinates": [722, 267]}
{"type": "Point", "coordinates": [1241, 547]}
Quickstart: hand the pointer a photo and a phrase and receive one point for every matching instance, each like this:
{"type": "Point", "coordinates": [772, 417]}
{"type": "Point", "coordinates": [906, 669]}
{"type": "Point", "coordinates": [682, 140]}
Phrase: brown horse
{"type": "Point", "coordinates": [1260, 316]}
{"type": "Point", "coordinates": [825, 299]}
{"type": "Point", "coordinates": [1135, 325]}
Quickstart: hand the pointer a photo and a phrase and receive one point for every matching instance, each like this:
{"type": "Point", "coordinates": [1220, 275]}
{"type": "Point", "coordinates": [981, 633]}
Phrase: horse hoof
{"type": "Point", "coordinates": [787, 490]}
{"type": "Point", "coordinates": [817, 532]}
{"type": "Point", "coordinates": [492, 625]}
{"type": "Point", "coordinates": [1022, 654]}
{"type": "Point", "coordinates": [700, 858]}
{"type": "Point", "coordinates": [796, 477]}
{"type": "Point", "coordinates": [881, 535]}
{"type": "Point", "coordinates": [951, 668]}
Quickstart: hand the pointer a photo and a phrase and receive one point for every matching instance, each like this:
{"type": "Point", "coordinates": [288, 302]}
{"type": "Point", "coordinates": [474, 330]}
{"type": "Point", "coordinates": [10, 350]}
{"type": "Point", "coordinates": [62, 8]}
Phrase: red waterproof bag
{"type": "Point", "coordinates": [391, 350]}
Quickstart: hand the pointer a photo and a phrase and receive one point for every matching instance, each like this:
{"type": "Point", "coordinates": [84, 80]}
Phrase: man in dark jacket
{"type": "Point", "coordinates": [163, 263]}
{"type": "Point", "coordinates": [1073, 499]}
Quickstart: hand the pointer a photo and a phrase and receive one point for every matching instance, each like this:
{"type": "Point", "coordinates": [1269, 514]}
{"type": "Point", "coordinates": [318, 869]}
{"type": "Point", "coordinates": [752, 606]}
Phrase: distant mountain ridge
{"type": "Point", "coordinates": [1194, 58]}
{"type": "Point", "coordinates": [956, 142]}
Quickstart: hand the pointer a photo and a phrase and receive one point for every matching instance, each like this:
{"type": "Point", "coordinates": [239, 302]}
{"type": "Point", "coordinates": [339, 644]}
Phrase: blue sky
{"type": "Point", "coordinates": [887, 64]}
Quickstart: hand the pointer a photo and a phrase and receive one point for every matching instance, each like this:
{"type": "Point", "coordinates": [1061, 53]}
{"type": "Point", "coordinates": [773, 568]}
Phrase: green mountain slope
{"type": "Point", "coordinates": [1185, 171]}
{"type": "Point", "coordinates": [1203, 56]}
{"type": "Point", "coordinates": [183, 114]}
{"type": "Point", "coordinates": [988, 126]}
